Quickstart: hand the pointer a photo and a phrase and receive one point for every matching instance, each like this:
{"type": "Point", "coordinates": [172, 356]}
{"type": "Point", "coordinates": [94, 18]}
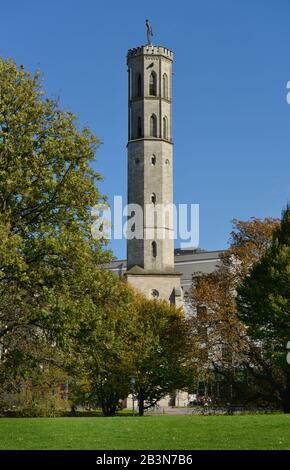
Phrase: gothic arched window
{"type": "Point", "coordinates": [165, 128]}
{"type": "Point", "coordinates": [139, 85]}
{"type": "Point", "coordinates": [153, 126]}
{"type": "Point", "coordinates": [165, 86]}
{"type": "Point", "coordinates": [153, 198]}
{"type": "Point", "coordinates": [153, 160]}
{"type": "Point", "coordinates": [153, 84]}
{"type": "Point", "coordinates": [154, 249]}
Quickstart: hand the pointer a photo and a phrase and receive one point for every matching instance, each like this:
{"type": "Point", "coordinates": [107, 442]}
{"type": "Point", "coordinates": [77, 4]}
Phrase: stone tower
{"type": "Point", "coordinates": [150, 247]}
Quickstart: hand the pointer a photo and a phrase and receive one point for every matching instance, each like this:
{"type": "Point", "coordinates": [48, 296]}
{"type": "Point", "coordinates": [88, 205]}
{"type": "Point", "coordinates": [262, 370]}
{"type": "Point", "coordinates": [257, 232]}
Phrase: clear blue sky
{"type": "Point", "coordinates": [231, 120]}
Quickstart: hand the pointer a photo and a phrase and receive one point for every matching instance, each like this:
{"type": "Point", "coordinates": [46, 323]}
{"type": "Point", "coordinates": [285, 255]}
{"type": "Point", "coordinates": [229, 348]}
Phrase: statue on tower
{"type": "Point", "coordinates": [149, 32]}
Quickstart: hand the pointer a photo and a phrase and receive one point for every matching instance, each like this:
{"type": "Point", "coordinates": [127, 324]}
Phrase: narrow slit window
{"type": "Point", "coordinates": [165, 128]}
{"type": "Point", "coordinates": [153, 84]}
{"type": "Point", "coordinates": [165, 86]}
{"type": "Point", "coordinates": [139, 130]}
{"type": "Point", "coordinates": [139, 85]}
{"type": "Point", "coordinates": [153, 126]}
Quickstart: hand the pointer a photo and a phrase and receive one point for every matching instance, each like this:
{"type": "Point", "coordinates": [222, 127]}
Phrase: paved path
{"type": "Point", "coordinates": [171, 410]}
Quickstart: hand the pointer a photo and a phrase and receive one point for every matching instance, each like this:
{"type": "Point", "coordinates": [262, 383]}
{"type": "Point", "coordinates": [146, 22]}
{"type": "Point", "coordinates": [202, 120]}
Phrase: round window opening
{"type": "Point", "coordinates": [155, 294]}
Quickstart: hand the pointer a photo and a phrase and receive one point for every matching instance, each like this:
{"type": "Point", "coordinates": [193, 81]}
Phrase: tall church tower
{"type": "Point", "coordinates": [150, 246]}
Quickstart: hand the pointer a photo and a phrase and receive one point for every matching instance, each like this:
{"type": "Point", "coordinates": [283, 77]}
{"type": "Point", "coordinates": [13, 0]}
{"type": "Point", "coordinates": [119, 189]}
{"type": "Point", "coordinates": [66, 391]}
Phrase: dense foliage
{"type": "Point", "coordinates": [264, 307]}
{"type": "Point", "coordinates": [69, 328]}
{"type": "Point", "coordinates": [229, 362]}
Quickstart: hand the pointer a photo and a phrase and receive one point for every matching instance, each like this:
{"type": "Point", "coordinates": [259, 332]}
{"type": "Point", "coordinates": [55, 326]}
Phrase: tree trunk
{"type": "Point", "coordinates": [286, 397]}
{"type": "Point", "coordinates": [108, 410]}
{"type": "Point", "coordinates": [141, 406]}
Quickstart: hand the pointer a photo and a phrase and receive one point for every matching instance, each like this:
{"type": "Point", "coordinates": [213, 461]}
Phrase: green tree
{"type": "Point", "coordinates": [264, 307]}
{"type": "Point", "coordinates": [48, 258]}
{"type": "Point", "coordinates": [101, 355]}
{"type": "Point", "coordinates": [131, 337]}
{"type": "Point", "coordinates": [162, 351]}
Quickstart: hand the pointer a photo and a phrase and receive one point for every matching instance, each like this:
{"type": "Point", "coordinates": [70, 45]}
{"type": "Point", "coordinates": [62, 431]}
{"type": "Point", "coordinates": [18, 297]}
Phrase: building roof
{"type": "Point", "coordinates": [187, 262]}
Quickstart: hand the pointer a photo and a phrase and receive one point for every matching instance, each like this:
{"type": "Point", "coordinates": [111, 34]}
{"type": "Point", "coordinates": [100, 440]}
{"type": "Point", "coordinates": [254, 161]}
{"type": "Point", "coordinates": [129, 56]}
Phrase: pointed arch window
{"type": "Point", "coordinates": [153, 84]}
{"type": "Point", "coordinates": [165, 86]}
{"type": "Point", "coordinates": [153, 198]}
{"type": "Point", "coordinates": [165, 128]}
{"type": "Point", "coordinates": [139, 85]}
{"type": "Point", "coordinates": [154, 249]}
{"type": "Point", "coordinates": [153, 126]}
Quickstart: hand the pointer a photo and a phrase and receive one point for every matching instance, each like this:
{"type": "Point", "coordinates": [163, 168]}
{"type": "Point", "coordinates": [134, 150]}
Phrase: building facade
{"type": "Point", "coordinates": [189, 263]}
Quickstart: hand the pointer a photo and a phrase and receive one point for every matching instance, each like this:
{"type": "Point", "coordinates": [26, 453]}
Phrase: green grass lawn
{"type": "Point", "coordinates": [150, 432]}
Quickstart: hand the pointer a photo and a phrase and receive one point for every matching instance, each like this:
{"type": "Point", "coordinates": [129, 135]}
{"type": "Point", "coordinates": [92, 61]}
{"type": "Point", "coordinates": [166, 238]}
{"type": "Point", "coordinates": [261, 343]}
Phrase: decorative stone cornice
{"type": "Point", "coordinates": [151, 51]}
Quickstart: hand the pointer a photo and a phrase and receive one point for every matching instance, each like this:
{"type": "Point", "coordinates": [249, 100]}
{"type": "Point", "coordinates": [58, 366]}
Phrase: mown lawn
{"type": "Point", "coordinates": [151, 432]}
